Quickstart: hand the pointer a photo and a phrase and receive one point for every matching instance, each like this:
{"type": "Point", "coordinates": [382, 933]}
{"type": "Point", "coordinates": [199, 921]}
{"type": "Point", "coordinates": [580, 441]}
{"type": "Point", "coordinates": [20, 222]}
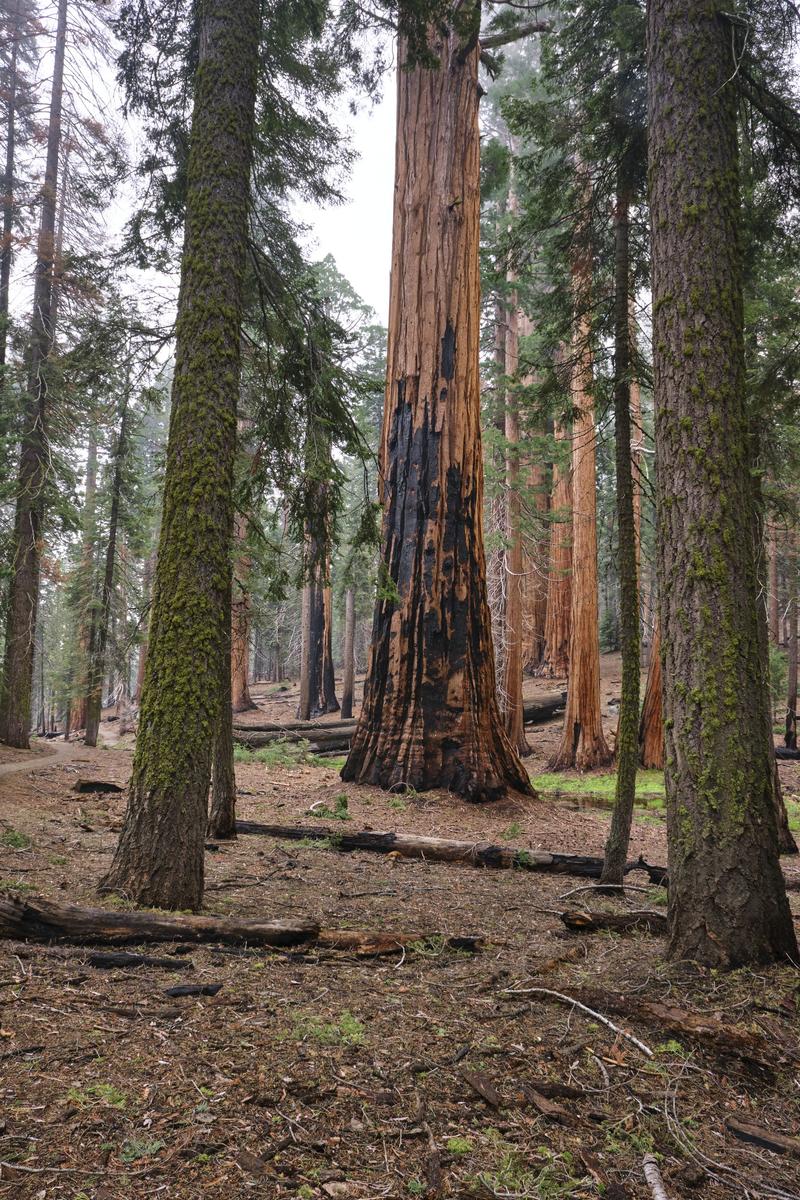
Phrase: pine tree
{"type": "Point", "coordinates": [727, 902]}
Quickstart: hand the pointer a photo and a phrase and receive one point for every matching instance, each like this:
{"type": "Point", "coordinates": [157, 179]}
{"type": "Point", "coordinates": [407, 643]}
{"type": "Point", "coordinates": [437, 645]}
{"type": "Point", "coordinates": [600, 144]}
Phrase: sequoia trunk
{"type": "Point", "coordinates": [583, 744]}
{"type": "Point", "coordinates": [555, 663]}
{"type": "Point", "coordinates": [727, 898]}
{"type": "Point", "coordinates": [34, 463]}
{"type": "Point", "coordinates": [349, 661]}
{"type": "Point", "coordinates": [159, 859]}
{"type": "Point", "coordinates": [430, 717]}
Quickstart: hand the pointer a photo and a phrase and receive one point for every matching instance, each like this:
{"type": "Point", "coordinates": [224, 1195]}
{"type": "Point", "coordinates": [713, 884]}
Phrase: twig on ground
{"type": "Point", "coordinates": [653, 1176]}
{"type": "Point", "coordinates": [537, 991]}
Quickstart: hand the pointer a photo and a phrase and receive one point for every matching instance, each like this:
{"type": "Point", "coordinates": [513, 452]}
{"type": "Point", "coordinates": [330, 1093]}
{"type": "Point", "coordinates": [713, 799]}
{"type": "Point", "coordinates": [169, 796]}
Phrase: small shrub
{"type": "Point", "coordinates": [98, 1091]}
{"type": "Point", "coordinates": [136, 1148]}
{"type": "Point", "coordinates": [511, 832]}
{"type": "Point", "coordinates": [347, 1031]}
{"type": "Point", "coordinates": [458, 1145]}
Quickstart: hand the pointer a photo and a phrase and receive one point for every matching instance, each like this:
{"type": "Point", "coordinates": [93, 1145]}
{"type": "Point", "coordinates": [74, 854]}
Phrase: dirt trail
{"type": "Point", "coordinates": [57, 753]}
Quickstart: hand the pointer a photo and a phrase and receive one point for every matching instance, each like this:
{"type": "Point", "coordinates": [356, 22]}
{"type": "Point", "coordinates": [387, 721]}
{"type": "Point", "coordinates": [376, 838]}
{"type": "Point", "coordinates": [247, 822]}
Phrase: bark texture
{"type": "Point", "coordinates": [583, 744]}
{"type": "Point", "coordinates": [159, 859]}
{"type": "Point", "coordinates": [16, 690]}
{"type": "Point", "coordinates": [241, 605]}
{"type": "Point", "coordinates": [430, 717]}
{"type": "Point", "coordinates": [349, 657]}
{"type": "Point", "coordinates": [222, 811]}
{"type": "Point", "coordinates": [727, 898]}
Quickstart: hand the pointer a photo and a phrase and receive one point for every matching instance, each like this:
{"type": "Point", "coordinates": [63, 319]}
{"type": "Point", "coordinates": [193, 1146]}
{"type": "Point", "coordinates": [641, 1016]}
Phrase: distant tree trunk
{"type": "Point", "coordinates": [349, 659]}
{"type": "Point", "coordinates": [430, 717]}
{"type": "Point", "coordinates": [6, 250]}
{"type": "Point", "coordinates": [511, 697]}
{"type": "Point", "coordinates": [99, 635]}
{"type": "Point", "coordinates": [616, 849]}
{"type": "Point", "coordinates": [790, 738]}
{"type": "Point", "coordinates": [222, 813]}
{"type": "Point", "coordinates": [34, 464]}
{"type": "Point", "coordinates": [240, 623]}
{"type": "Point", "coordinates": [327, 702]}
{"type": "Point", "coordinates": [306, 620]}
{"type": "Point", "coordinates": [637, 441]}
{"type": "Point", "coordinates": [727, 896]}
{"type": "Point", "coordinates": [147, 590]}
{"type": "Point", "coordinates": [534, 561]}
{"type": "Point", "coordinates": [774, 598]}
{"type": "Point", "coordinates": [159, 859]}
{"type": "Point", "coordinates": [555, 662]}
{"type": "Point", "coordinates": [651, 723]}
{"type": "Point", "coordinates": [583, 744]}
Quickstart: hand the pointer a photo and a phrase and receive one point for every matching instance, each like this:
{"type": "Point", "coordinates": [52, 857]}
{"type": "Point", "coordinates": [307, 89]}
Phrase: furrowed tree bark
{"type": "Point", "coordinates": [727, 898]}
{"type": "Point", "coordinates": [159, 859]}
{"type": "Point", "coordinates": [774, 600]}
{"type": "Point", "coordinates": [627, 748]}
{"type": "Point", "coordinates": [555, 664]}
{"type": "Point", "coordinates": [583, 744]}
{"type": "Point", "coordinates": [430, 717]}
{"type": "Point", "coordinates": [148, 575]}
{"type": "Point", "coordinates": [99, 631]}
{"type": "Point", "coordinates": [304, 705]}
{"type": "Point", "coordinates": [349, 658]}
{"type": "Point", "coordinates": [327, 698]}
{"type": "Point", "coordinates": [651, 723]}
{"type": "Point", "coordinates": [240, 622]}
{"type": "Point", "coordinates": [16, 689]}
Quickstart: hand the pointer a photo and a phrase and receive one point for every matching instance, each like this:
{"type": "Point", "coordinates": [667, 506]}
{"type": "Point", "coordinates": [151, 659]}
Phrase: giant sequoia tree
{"type": "Point", "coordinates": [159, 860]}
{"type": "Point", "coordinates": [727, 899]}
{"type": "Point", "coordinates": [430, 717]}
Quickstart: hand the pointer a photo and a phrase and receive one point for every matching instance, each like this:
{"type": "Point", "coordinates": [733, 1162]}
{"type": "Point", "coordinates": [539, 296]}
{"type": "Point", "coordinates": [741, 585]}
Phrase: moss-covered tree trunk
{"type": "Point", "coordinates": [790, 737]}
{"type": "Point", "coordinates": [727, 899]}
{"type": "Point", "coordinates": [583, 743]}
{"type": "Point", "coordinates": [7, 200]}
{"type": "Point", "coordinates": [774, 590]}
{"type": "Point", "coordinates": [16, 687]}
{"type": "Point", "coordinates": [222, 810]}
{"type": "Point", "coordinates": [555, 661]}
{"type": "Point", "coordinates": [616, 850]}
{"type": "Point", "coordinates": [430, 717]}
{"type": "Point", "coordinates": [159, 859]}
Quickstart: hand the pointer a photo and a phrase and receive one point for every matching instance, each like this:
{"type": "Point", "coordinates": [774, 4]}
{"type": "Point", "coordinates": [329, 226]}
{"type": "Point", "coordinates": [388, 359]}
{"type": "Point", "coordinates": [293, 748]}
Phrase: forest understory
{"type": "Point", "coordinates": [428, 1070]}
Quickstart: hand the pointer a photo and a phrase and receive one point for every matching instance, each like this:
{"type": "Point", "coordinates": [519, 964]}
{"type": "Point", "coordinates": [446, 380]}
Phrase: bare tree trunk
{"type": "Point", "coordinates": [6, 250]}
{"type": "Point", "coordinates": [616, 849]}
{"type": "Point", "coordinates": [304, 707]}
{"type": "Point", "coordinates": [240, 623]}
{"type": "Point", "coordinates": [774, 589]}
{"type": "Point", "coordinates": [147, 590]}
{"type": "Point", "coordinates": [349, 659]}
{"type": "Point", "coordinates": [430, 717]}
{"type": "Point", "coordinates": [34, 464]}
{"type": "Point", "coordinates": [651, 723]}
{"type": "Point", "coordinates": [496, 506]}
{"type": "Point", "coordinates": [555, 664]}
{"type": "Point", "coordinates": [327, 702]}
{"type": "Point", "coordinates": [99, 639]}
{"type": "Point", "coordinates": [790, 738]}
{"type": "Point", "coordinates": [583, 744]}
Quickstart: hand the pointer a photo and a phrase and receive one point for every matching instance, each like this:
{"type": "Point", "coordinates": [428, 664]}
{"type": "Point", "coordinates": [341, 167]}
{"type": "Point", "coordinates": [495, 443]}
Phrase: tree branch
{"type": "Point", "coordinates": [493, 40]}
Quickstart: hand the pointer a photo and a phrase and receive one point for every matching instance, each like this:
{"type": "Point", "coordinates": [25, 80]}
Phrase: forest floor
{"type": "Point", "coordinates": [321, 1074]}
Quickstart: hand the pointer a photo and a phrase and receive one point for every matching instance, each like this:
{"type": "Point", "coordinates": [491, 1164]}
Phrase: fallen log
{"type": "Point", "coordinates": [433, 849]}
{"type": "Point", "coordinates": [591, 922]}
{"type": "Point", "coordinates": [318, 742]}
{"type": "Point", "coordinates": [542, 708]}
{"type": "Point", "coordinates": [785, 753]}
{"type": "Point", "coordinates": [307, 729]}
{"type": "Point", "coordinates": [768, 1139]}
{"type": "Point", "coordinates": [36, 919]}
{"type": "Point", "coordinates": [96, 785]}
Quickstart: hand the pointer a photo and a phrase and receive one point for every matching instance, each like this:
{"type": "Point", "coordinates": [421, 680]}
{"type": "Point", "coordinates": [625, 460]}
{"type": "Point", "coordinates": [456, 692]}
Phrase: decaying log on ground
{"type": "Point", "coordinates": [102, 960]}
{"type": "Point", "coordinates": [307, 729]}
{"type": "Point", "coordinates": [412, 845]}
{"type": "Point", "coordinates": [374, 942]}
{"type": "Point", "coordinates": [36, 919]}
{"type": "Point", "coordinates": [732, 1040]}
{"type": "Point", "coordinates": [320, 741]}
{"type": "Point", "coordinates": [654, 1179]}
{"type": "Point", "coordinates": [585, 922]}
{"type": "Point", "coordinates": [542, 708]}
{"type": "Point", "coordinates": [785, 753]}
{"type": "Point", "coordinates": [769, 1139]}
{"type": "Point", "coordinates": [96, 785]}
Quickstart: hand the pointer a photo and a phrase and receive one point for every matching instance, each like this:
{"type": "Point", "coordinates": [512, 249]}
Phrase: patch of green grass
{"type": "Point", "coordinates": [281, 753]}
{"type": "Point", "coordinates": [347, 1031]}
{"type": "Point", "coordinates": [106, 1092]}
{"type": "Point", "coordinates": [308, 843]}
{"type": "Point", "coordinates": [458, 1145]}
{"type": "Point", "coordinates": [516, 1176]}
{"type": "Point", "coordinates": [334, 762]}
{"type": "Point", "coordinates": [793, 813]}
{"type": "Point", "coordinates": [415, 1187]}
{"type": "Point", "coordinates": [15, 840]}
{"type": "Point", "coordinates": [338, 812]}
{"type": "Point", "coordinates": [658, 896]}
{"type": "Point", "coordinates": [58, 860]}
{"type": "Point", "coordinates": [15, 885]}
{"type": "Point", "coordinates": [511, 831]}
{"type": "Point", "coordinates": [601, 786]}
{"type": "Point", "coordinates": [397, 803]}
{"type": "Point", "coordinates": [136, 1148]}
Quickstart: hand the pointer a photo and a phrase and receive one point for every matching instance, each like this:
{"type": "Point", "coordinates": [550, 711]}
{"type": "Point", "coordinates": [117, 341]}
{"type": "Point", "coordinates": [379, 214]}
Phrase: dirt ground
{"type": "Point", "coordinates": [320, 1074]}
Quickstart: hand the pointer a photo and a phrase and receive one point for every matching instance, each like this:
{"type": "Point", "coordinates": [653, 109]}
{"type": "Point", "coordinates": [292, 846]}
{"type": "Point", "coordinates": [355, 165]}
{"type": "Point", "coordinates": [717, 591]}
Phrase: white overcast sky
{"type": "Point", "coordinates": [358, 233]}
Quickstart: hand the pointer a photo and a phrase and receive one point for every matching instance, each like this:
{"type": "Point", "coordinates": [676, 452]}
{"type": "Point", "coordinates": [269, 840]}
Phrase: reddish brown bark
{"type": "Point", "coordinates": [348, 655]}
{"type": "Point", "coordinates": [583, 744]}
{"type": "Point", "coordinates": [774, 605]}
{"type": "Point", "coordinates": [555, 662]}
{"type": "Point", "coordinates": [430, 717]}
{"type": "Point", "coordinates": [651, 724]}
{"type": "Point", "coordinates": [241, 699]}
